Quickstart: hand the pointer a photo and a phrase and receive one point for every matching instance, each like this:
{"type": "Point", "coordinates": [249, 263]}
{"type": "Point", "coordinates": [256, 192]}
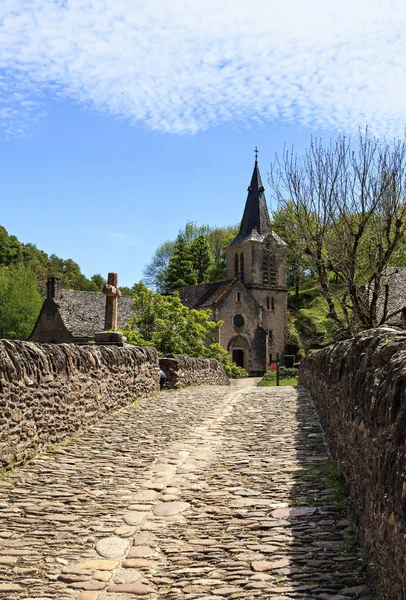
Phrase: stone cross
{"type": "Point", "coordinates": [112, 295]}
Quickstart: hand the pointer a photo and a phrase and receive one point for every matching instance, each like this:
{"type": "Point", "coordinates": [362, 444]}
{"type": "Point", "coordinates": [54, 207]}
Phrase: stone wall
{"type": "Point", "coordinates": [184, 371]}
{"type": "Point", "coordinates": [360, 389]}
{"type": "Point", "coordinates": [49, 391]}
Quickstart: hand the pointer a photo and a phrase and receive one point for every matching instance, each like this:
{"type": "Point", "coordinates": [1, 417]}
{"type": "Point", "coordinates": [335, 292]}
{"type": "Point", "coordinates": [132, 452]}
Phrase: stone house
{"type": "Point", "coordinates": [252, 302]}
{"type": "Point", "coordinates": [70, 316]}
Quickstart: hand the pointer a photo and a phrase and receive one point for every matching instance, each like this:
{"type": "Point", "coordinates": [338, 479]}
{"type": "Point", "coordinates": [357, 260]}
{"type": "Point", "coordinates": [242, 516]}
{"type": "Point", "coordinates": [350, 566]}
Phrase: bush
{"type": "Point", "coordinates": [289, 360]}
{"type": "Point", "coordinates": [220, 354]}
{"type": "Point", "coordinates": [284, 373]}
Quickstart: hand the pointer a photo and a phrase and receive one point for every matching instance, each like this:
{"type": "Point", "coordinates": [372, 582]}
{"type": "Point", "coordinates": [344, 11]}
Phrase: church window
{"type": "Point", "coordinates": [272, 303]}
{"type": "Point", "coordinates": [270, 336]}
{"type": "Point", "coordinates": [267, 303]}
{"type": "Point", "coordinates": [242, 266]}
{"type": "Point", "coordinates": [268, 264]}
{"type": "Point", "coordinates": [238, 321]}
{"type": "Point", "coordinates": [238, 296]}
{"type": "Point", "coordinates": [236, 266]}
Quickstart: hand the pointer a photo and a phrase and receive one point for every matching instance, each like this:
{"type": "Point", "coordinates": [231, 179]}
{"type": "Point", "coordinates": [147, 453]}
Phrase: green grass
{"type": "Point", "coordinates": [272, 382]}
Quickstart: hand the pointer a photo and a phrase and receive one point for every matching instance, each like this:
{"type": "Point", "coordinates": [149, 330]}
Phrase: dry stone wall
{"type": "Point", "coordinates": [48, 391]}
{"type": "Point", "coordinates": [185, 371]}
{"type": "Point", "coordinates": [360, 390]}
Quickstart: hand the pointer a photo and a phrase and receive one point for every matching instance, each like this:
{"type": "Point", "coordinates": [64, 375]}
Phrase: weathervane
{"type": "Point", "coordinates": [256, 154]}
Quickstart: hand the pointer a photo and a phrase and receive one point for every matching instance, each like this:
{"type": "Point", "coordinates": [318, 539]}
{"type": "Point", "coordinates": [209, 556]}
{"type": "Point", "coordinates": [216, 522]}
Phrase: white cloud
{"type": "Point", "coordinates": [185, 66]}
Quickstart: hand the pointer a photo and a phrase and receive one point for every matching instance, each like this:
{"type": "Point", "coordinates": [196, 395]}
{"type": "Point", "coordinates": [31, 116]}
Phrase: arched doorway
{"type": "Point", "coordinates": [238, 348]}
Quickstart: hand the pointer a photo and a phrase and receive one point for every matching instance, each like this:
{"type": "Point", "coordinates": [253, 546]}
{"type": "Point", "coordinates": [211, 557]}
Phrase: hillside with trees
{"type": "Point", "coordinates": [24, 270]}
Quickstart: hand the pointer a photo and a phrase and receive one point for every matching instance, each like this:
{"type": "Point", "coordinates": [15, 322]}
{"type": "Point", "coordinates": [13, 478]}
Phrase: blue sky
{"type": "Point", "coordinates": [121, 121]}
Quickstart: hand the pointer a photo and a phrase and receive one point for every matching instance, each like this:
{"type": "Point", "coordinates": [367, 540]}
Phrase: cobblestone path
{"type": "Point", "coordinates": [202, 494]}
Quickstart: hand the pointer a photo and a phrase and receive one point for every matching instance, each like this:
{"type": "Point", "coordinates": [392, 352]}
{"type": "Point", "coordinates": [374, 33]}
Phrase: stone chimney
{"type": "Point", "coordinates": [54, 289]}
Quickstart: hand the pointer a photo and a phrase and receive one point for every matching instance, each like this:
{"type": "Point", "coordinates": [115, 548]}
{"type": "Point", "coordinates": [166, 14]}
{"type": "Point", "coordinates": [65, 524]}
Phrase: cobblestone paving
{"type": "Point", "coordinates": [202, 494]}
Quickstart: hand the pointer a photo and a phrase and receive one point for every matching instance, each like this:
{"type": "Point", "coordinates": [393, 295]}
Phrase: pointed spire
{"type": "Point", "coordinates": [256, 216]}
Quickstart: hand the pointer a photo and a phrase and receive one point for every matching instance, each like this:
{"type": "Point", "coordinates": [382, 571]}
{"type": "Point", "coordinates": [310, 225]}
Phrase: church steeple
{"type": "Point", "coordinates": [255, 221]}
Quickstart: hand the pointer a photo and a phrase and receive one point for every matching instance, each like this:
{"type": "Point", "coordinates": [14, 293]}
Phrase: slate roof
{"type": "Point", "coordinates": [255, 222]}
{"type": "Point", "coordinates": [83, 312]}
{"type": "Point", "coordinates": [204, 294]}
{"type": "Point", "coordinates": [396, 278]}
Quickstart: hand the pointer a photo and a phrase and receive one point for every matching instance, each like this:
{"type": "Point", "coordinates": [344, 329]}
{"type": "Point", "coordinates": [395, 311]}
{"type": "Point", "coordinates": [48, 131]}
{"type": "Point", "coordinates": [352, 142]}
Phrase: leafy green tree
{"type": "Point", "coordinates": [20, 302]}
{"type": "Point", "coordinates": [10, 248]}
{"type": "Point", "coordinates": [70, 274]}
{"type": "Point", "coordinates": [217, 237]}
{"type": "Point", "coordinates": [180, 270]}
{"type": "Point", "coordinates": [155, 271]}
{"type": "Point", "coordinates": [285, 224]}
{"type": "Point", "coordinates": [202, 258]}
{"type": "Point", "coordinates": [125, 290]}
{"type": "Point", "coordinates": [165, 323]}
{"type": "Point", "coordinates": [99, 281]}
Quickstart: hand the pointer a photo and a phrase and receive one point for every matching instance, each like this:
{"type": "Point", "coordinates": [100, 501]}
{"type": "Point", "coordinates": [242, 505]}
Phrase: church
{"type": "Point", "coordinates": [252, 302]}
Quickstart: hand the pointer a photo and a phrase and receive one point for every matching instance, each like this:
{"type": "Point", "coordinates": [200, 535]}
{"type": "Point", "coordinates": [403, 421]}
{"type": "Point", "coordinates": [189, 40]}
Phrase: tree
{"type": "Point", "coordinates": [202, 258]}
{"type": "Point", "coordinates": [217, 237]}
{"type": "Point", "coordinates": [350, 209]}
{"type": "Point", "coordinates": [285, 224]}
{"type": "Point", "coordinates": [155, 271]}
{"type": "Point", "coordinates": [20, 302]}
{"type": "Point", "coordinates": [165, 323]}
{"type": "Point", "coordinates": [70, 274]}
{"type": "Point", "coordinates": [125, 290]}
{"type": "Point", "coordinates": [99, 281]}
{"type": "Point", "coordinates": [180, 270]}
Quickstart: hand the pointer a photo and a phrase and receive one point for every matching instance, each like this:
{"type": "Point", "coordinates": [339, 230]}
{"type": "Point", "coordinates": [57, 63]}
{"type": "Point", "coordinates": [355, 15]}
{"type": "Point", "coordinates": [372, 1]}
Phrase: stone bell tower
{"type": "Point", "coordinates": [256, 258]}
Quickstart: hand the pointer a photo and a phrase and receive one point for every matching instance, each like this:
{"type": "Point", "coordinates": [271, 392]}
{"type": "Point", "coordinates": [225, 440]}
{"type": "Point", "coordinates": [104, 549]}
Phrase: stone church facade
{"type": "Point", "coordinates": [252, 302]}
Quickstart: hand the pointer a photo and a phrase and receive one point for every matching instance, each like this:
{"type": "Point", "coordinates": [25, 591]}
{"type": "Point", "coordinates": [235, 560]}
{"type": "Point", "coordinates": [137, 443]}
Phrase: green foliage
{"type": "Point", "coordinates": [70, 274]}
{"type": "Point", "coordinates": [99, 281]}
{"type": "Point", "coordinates": [285, 224]}
{"type": "Point", "coordinates": [282, 382]}
{"type": "Point", "coordinates": [309, 325]}
{"type": "Point", "coordinates": [219, 353]}
{"type": "Point", "coordinates": [14, 253]}
{"type": "Point", "coordinates": [344, 203]}
{"type": "Point", "coordinates": [165, 323]}
{"type": "Point", "coordinates": [284, 373]}
{"type": "Point", "coordinates": [202, 258]}
{"type": "Point", "coordinates": [172, 328]}
{"type": "Point", "coordinates": [217, 237]}
{"type": "Point", "coordinates": [126, 291]}
{"type": "Point", "coordinates": [180, 270]}
{"type": "Point", "coordinates": [155, 271]}
{"type": "Point", "coordinates": [20, 302]}
{"type": "Point", "coordinates": [23, 273]}
{"type": "Point", "coordinates": [288, 360]}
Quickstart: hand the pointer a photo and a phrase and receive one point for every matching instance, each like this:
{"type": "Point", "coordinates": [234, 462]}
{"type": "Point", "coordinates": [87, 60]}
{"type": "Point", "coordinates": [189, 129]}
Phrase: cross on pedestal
{"type": "Point", "coordinates": [112, 295]}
